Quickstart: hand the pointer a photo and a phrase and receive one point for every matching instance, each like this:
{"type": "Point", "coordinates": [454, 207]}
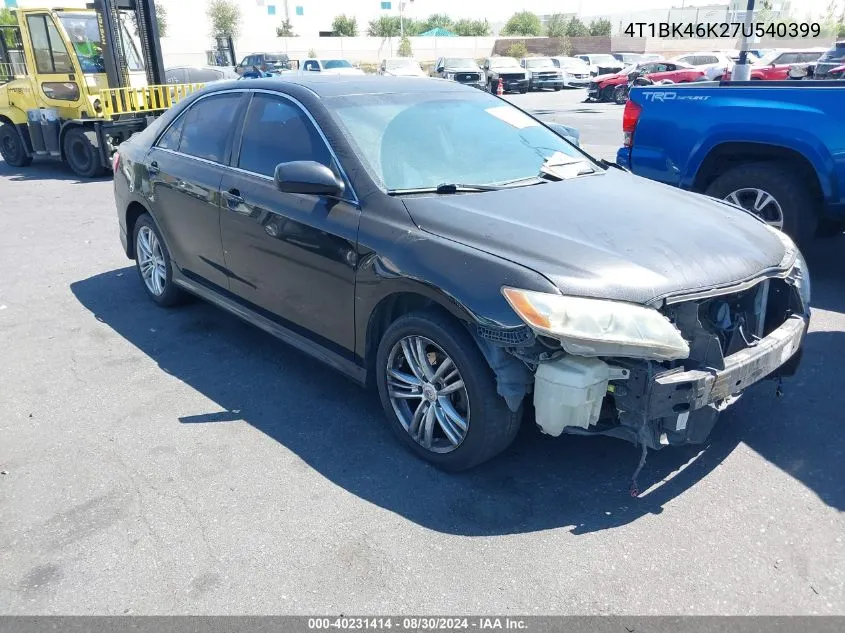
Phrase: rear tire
{"type": "Point", "coordinates": [12, 148]}
{"type": "Point", "coordinates": [490, 426]}
{"type": "Point", "coordinates": [795, 198]}
{"type": "Point", "coordinates": [164, 292]}
{"type": "Point", "coordinates": [82, 153]}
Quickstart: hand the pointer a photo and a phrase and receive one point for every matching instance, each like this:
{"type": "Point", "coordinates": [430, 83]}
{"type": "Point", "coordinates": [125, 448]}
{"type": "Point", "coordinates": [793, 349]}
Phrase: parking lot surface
{"type": "Point", "coordinates": [178, 461]}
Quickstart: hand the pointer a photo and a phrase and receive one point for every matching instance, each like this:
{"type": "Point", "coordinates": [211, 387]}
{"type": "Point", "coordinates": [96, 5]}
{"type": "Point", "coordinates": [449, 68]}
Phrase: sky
{"type": "Point", "coordinates": [500, 10]}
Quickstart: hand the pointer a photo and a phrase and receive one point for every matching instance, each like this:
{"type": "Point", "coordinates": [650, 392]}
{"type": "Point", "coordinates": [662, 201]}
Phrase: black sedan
{"type": "Point", "coordinates": [443, 245]}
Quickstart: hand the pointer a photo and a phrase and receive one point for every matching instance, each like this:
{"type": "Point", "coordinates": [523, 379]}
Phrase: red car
{"type": "Point", "coordinates": [775, 65]}
{"type": "Point", "coordinates": [601, 87]}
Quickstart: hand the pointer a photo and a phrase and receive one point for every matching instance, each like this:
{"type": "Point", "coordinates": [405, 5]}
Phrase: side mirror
{"type": "Point", "coordinates": [773, 64]}
{"type": "Point", "coordinates": [307, 176]}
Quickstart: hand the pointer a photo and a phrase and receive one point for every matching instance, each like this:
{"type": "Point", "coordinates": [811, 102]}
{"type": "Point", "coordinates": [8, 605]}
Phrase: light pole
{"type": "Point", "coordinates": [742, 70]}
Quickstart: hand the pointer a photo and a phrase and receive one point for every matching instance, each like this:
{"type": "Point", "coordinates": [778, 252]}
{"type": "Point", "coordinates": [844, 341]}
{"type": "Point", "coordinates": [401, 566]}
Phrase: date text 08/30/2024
{"type": "Point", "coordinates": [417, 623]}
{"type": "Point", "coordinates": [723, 29]}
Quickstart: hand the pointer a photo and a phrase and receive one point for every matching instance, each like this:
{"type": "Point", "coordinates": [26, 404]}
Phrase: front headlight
{"type": "Point", "coordinates": [450, 75]}
{"type": "Point", "coordinates": [599, 327]}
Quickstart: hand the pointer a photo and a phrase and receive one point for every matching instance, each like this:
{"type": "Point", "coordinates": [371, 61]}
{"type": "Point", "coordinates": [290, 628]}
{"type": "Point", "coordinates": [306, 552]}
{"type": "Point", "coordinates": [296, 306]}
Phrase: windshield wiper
{"type": "Point", "coordinates": [446, 188]}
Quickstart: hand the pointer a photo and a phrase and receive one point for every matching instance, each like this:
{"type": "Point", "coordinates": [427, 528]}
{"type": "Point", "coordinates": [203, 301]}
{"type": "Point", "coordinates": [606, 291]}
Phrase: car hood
{"type": "Point", "coordinates": [612, 235]}
{"type": "Point", "coordinates": [601, 78]}
{"type": "Point", "coordinates": [404, 73]}
{"type": "Point", "coordinates": [461, 69]}
{"type": "Point", "coordinates": [508, 69]}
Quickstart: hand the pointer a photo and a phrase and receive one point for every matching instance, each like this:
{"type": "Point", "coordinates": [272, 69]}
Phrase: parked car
{"type": "Point", "coordinates": [712, 63]}
{"type": "Point", "coordinates": [602, 64]}
{"type": "Point", "coordinates": [601, 88]}
{"type": "Point", "coordinates": [775, 66]}
{"type": "Point", "coordinates": [264, 62]}
{"type": "Point", "coordinates": [198, 74]}
{"type": "Point", "coordinates": [749, 155]}
{"type": "Point", "coordinates": [330, 67]}
{"type": "Point", "coordinates": [347, 225]}
{"type": "Point", "coordinates": [514, 77]}
{"type": "Point", "coordinates": [576, 72]}
{"type": "Point", "coordinates": [830, 59]}
{"type": "Point", "coordinates": [628, 58]}
{"type": "Point", "coordinates": [463, 70]}
{"type": "Point", "coordinates": [543, 73]}
{"type": "Point", "coordinates": [401, 67]}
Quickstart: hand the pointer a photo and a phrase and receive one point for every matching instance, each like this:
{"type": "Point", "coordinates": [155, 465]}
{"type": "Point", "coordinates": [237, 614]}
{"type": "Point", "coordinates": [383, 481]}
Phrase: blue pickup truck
{"type": "Point", "coordinates": [775, 148]}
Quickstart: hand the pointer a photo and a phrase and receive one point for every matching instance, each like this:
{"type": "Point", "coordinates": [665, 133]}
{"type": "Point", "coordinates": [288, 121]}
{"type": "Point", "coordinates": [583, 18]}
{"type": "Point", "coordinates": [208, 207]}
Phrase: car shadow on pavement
{"type": "Point", "coordinates": [540, 483]}
{"type": "Point", "coordinates": [46, 170]}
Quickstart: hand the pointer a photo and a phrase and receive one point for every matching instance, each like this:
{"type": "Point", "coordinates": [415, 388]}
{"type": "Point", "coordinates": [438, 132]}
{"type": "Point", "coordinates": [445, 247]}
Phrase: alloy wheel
{"type": "Point", "coordinates": [428, 394]}
{"type": "Point", "coordinates": [151, 261]}
{"type": "Point", "coordinates": [759, 202]}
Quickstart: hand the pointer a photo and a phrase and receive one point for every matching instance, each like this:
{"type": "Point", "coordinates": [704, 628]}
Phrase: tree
{"type": "Point", "coordinates": [830, 23]}
{"type": "Point", "coordinates": [225, 17]}
{"type": "Point", "coordinates": [523, 23]}
{"type": "Point", "coordinates": [345, 26]}
{"type": "Point", "coordinates": [438, 20]}
{"type": "Point", "coordinates": [556, 26]}
{"type": "Point", "coordinates": [405, 48]}
{"type": "Point", "coordinates": [564, 46]}
{"type": "Point", "coordinates": [385, 26]}
{"type": "Point", "coordinates": [601, 27]}
{"type": "Point", "coordinates": [6, 17]}
{"type": "Point", "coordinates": [576, 28]}
{"type": "Point", "coordinates": [472, 28]}
{"type": "Point", "coordinates": [517, 50]}
{"type": "Point", "coordinates": [285, 29]}
{"type": "Point", "coordinates": [161, 19]}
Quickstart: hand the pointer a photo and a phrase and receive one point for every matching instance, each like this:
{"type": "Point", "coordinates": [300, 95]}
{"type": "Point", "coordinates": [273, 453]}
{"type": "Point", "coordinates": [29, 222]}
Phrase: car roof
{"type": "Point", "coordinates": [340, 85]}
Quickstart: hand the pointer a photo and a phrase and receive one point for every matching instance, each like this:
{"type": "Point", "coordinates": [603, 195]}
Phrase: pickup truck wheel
{"type": "Point", "coordinates": [82, 153]}
{"type": "Point", "coordinates": [440, 394]}
{"type": "Point", "coordinates": [774, 193]}
{"type": "Point", "coordinates": [12, 148]}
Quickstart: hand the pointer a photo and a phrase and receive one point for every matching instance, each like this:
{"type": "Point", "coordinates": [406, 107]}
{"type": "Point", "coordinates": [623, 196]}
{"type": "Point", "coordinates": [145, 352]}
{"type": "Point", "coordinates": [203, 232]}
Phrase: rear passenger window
{"type": "Point", "coordinates": [206, 126]}
{"type": "Point", "coordinates": [277, 131]}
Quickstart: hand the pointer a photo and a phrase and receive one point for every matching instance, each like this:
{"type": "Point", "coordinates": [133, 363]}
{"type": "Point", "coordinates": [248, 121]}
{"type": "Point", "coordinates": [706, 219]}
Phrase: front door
{"type": "Point", "coordinates": [293, 255]}
{"type": "Point", "coordinates": [56, 80]}
{"type": "Point", "coordinates": [186, 167]}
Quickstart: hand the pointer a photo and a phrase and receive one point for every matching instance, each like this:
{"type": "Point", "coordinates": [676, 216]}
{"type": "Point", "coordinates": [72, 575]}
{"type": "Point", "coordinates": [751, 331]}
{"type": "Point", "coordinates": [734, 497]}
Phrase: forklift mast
{"type": "Point", "coordinates": [111, 34]}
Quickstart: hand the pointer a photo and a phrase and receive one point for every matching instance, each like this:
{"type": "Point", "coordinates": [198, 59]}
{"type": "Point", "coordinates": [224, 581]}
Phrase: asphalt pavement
{"type": "Point", "coordinates": [181, 462]}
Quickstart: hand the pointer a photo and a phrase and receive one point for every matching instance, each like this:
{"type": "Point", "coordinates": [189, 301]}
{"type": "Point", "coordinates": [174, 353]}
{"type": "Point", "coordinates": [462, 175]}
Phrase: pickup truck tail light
{"type": "Point", "coordinates": [629, 121]}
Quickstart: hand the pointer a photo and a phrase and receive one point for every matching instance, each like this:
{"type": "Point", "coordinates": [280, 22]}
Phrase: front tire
{"type": "Point", "coordinates": [773, 192]}
{"type": "Point", "coordinates": [82, 153]}
{"type": "Point", "coordinates": [606, 94]}
{"type": "Point", "coordinates": [12, 148]}
{"type": "Point", "coordinates": [153, 263]}
{"type": "Point", "coordinates": [439, 393]}
{"type": "Point", "coordinates": [620, 94]}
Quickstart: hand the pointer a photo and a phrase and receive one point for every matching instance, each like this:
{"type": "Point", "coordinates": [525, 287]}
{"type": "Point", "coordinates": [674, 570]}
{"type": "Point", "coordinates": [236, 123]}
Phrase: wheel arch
{"type": "Point", "coordinates": [133, 211]}
{"type": "Point", "coordinates": [727, 155]}
{"type": "Point", "coordinates": [395, 305]}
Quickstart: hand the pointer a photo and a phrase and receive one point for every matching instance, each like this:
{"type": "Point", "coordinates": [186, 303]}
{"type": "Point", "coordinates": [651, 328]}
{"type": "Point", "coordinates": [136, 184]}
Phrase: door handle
{"type": "Point", "coordinates": [233, 198]}
{"type": "Point", "coordinates": [153, 168]}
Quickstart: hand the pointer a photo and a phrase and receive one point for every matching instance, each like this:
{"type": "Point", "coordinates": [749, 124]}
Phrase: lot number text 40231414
{"type": "Point", "coordinates": [722, 29]}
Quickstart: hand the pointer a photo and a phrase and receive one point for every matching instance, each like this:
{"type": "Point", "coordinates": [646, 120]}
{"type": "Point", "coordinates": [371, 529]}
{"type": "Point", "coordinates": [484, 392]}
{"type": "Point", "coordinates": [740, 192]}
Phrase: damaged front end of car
{"type": "Point", "coordinates": [656, 374]}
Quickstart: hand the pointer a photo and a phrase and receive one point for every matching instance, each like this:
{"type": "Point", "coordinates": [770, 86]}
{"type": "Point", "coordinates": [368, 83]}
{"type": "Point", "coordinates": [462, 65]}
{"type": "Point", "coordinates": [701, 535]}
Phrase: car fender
{"type": "Point", "coordinates": [792, 138]}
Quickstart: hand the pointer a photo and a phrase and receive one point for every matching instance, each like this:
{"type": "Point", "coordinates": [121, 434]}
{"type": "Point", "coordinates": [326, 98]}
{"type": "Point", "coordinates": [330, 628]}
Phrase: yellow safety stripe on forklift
{"type": "Point", "coordinates": [147, 99]}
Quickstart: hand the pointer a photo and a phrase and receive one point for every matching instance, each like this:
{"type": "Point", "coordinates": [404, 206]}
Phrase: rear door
{"type": "Point", "coordinates": [293, 255]}
{"type": "Point", "coordinates": [186, 166]}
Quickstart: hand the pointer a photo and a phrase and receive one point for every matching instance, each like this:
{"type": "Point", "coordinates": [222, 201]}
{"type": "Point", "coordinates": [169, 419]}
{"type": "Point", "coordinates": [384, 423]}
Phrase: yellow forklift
{"type": "Point", "coordinates": [73, 85]}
